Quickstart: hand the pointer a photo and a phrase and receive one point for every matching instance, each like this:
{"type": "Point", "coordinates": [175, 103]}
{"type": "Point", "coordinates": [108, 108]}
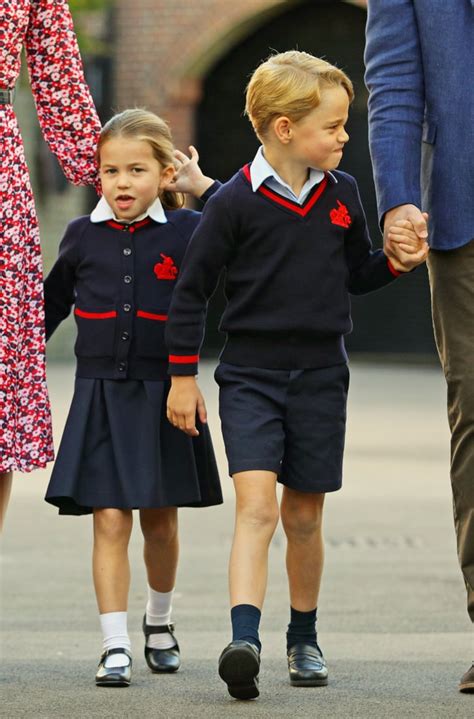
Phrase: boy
{"type": "Point", "coordinates": [292, 236]}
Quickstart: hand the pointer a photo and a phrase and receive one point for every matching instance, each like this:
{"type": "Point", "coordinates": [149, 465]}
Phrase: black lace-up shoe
{"type": "Point", "coordinates": [239, 665]}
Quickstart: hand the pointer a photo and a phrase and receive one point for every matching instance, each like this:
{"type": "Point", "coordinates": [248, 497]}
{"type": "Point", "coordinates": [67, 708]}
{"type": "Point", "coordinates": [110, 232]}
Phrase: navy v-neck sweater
{"type": "Point", "coordinates": [289, 271]}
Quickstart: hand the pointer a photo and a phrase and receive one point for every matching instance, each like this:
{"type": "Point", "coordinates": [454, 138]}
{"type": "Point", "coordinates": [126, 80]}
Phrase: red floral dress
{"type": "Point", "coordinates": [70, 126]}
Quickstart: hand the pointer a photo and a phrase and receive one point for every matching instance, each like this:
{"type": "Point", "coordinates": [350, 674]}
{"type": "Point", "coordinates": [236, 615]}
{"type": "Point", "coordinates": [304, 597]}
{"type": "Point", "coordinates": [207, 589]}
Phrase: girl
{"type": "Point", "coordinates": [118, 452]}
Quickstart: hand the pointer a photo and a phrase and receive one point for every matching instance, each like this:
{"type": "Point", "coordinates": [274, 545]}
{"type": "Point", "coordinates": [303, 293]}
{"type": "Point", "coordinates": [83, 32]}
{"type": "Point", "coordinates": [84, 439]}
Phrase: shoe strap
{"type": "Point", "coordinates": [115, 650]}
{"type": "Point", "coordinates": [158, 629]}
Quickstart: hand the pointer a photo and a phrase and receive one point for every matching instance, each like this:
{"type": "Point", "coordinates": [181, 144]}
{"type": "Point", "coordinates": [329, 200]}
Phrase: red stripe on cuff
{"type": "Point", "coordinates": [183, 359]}
{"type": "Point", "coordinates": [392, 269]}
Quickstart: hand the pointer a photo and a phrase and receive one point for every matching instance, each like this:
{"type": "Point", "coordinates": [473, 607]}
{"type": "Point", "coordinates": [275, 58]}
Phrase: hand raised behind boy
{"type": "Point", "coordinates": [189, 177]}
{"type": "Point", "coordinates": [184, 401]}
{"type": "Point", "coordinates": [403, 244]}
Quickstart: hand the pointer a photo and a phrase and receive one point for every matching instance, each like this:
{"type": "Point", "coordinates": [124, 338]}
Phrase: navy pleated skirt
{"type": "Point", "coordinates": [118, 450]}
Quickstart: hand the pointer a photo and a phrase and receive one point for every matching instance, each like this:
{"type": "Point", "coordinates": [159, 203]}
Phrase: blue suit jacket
{"type": "Point", "coordinates": [420, 75]}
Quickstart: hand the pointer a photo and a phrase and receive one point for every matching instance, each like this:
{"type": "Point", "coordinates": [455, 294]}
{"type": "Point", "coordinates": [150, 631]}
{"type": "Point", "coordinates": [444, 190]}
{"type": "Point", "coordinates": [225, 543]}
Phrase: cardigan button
{"type": "Point", "coordinates": [127, 251]}
{"type": "Point", "coordinates": [122, 367]}
{"type": "Point", "coordinates": [127, 279]}
{"type": "Point", "coordinates": [127, 308]}
{"type": "Point", "coordinates": [125, 335]}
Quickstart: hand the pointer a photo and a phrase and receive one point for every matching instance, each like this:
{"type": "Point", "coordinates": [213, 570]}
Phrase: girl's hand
{"type": "Point", "coordinates": [184, 401]}
{"type": "Point", "coordinates": [189, 177]}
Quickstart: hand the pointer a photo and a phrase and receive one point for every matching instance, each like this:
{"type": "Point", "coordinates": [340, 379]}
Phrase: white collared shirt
{"type": "Point", "coordinates": [261, 171]}
{"type": "Point", "coordinates": [103, 212]}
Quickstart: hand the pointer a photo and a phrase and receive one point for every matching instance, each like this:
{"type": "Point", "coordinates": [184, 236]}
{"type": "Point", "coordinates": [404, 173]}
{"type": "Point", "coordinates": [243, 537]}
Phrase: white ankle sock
{"type": "Point", "coordinates": [158, 613]}
{"type": "Point", "coordinates": [115, 634]}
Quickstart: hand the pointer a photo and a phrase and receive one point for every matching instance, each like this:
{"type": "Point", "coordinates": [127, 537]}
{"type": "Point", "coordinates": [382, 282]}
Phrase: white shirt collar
{"type": "Point", "coordinates": [103, 212]}
{"type": "Point", "coordinates": [261, 170]}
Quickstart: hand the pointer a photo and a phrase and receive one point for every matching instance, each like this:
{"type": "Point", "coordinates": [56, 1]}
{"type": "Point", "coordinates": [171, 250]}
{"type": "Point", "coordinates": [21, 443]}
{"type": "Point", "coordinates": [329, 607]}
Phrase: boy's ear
{"type": "Point", "coordinates": [282, 127]}
{"type": "Point", "coordinates": [167, 175]}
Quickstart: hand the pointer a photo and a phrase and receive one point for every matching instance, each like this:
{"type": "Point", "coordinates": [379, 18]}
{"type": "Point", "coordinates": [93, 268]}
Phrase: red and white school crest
{"type": "Point", "coordinates": [340, 216]}
{"type": "Point", "coordinates": [165, 270]}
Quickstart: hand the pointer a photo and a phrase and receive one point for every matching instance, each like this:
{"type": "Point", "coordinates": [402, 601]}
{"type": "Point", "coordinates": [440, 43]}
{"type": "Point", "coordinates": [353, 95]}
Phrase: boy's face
{"type": "Point", "coordinates": [131, 176]}
{"type": "Point", "coordinates": [318, 139]}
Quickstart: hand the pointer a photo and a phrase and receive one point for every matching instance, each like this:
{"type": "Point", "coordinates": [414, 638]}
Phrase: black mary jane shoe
{"type": "Point", "coordinates": [114, 676]}
{"type": "Point", "coordinates": [239, 665]}
{"type": "Point", "coordinates": [307, 666]}
{"type": "Point", "coordinates": [161, 660]}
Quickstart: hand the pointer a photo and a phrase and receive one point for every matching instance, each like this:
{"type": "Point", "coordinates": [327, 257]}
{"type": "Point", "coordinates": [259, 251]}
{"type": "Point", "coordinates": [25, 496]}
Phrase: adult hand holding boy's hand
{"type": "Point", "coordinates": [184, 400]}
{"type": "Point", "coordinates": [405, 237]}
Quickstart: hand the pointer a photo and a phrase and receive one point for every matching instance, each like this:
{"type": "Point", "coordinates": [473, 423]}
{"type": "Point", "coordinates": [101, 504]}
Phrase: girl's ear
{"type": "Point", "coordinates": [167, 175]}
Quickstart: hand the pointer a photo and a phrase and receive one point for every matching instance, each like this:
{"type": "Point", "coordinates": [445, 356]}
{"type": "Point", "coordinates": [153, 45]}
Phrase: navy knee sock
{"type": "Point", "coordinates": [245, 621]}
{"type": "Point", "coordinates": [302, 628]}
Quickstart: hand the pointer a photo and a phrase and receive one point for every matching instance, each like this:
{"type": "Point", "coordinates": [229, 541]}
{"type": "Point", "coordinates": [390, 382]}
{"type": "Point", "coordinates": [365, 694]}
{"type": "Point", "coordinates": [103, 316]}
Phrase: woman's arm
{"type": "Point", "coordinates": [64, 105]}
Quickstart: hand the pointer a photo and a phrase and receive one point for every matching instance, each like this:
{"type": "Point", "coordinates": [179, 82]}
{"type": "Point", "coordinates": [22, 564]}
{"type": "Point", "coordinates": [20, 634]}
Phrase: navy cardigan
{"type": "Point", "coordinates": [120, 279]}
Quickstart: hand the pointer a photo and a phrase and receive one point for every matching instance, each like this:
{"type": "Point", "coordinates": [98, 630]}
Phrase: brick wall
{"type": "Point", "coordinates": [164, 47]}
{"type": "Point", "coordinates": [158, 44]}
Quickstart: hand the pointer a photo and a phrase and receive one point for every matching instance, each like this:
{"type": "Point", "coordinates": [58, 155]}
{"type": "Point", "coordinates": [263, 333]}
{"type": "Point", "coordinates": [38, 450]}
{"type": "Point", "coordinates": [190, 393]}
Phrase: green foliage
{"type": "Point", "coordinates": [89, 45]}
{"type": "Point", "coordinates": [87, 5]}
{"type": "Point", "coordinates": [80, 10]}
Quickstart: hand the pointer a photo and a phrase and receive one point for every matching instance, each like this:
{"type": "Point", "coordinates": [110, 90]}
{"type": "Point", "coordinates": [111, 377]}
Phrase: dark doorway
{"type": "Point", "coordinates": [393, 321]}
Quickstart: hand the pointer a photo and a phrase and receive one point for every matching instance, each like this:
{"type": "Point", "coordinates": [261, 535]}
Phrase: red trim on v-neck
{"type": "Point", "coordinates": [131, 227]}
{"type": "Point", "coordinates": [301, 210]}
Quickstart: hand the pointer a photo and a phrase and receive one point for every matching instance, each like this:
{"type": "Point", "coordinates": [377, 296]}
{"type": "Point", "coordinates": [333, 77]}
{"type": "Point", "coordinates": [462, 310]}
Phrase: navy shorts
{"type": "Point", "coordinates": [291, 422]}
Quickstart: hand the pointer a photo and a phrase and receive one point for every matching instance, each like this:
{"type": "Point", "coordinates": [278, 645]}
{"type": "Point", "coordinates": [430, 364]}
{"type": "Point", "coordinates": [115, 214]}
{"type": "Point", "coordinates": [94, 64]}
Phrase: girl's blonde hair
{"type": "Point", "coordinates": [139, 124]}
{"type": "Point", "coordinates": [290, 84]}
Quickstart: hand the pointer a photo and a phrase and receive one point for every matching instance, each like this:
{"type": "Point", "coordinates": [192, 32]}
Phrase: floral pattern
{"type": "Point", "coordinates": [70, 125]}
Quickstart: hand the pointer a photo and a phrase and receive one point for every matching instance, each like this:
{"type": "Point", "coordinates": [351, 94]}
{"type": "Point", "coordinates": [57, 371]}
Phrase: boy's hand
{"type": "Point", "coordinates": [189, 177]}
{"type": "Point", "coordinates": [407, 249]}
{"type": "Point", "coordinates": [184, 400]}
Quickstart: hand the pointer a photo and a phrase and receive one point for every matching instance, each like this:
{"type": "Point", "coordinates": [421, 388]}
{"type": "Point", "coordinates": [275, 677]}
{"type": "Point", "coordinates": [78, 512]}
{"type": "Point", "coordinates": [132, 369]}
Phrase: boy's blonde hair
{"type": "Point", "coordinates": [139, 124]}
{"type": "Point", "coordinates": [290, 84]}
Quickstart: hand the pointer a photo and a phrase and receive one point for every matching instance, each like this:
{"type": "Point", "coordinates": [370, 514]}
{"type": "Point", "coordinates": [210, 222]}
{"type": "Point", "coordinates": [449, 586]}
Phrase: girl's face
{"type": "Point", "coordinates": [131, 176]}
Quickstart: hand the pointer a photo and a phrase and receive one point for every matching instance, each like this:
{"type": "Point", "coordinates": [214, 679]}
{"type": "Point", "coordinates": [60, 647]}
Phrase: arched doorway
{"type": "Point", "coordinates": [395, 321]}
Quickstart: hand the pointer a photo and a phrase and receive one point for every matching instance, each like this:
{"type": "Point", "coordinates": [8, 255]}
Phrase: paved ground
{"type": "Point", "coordinates": [392, 623]}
